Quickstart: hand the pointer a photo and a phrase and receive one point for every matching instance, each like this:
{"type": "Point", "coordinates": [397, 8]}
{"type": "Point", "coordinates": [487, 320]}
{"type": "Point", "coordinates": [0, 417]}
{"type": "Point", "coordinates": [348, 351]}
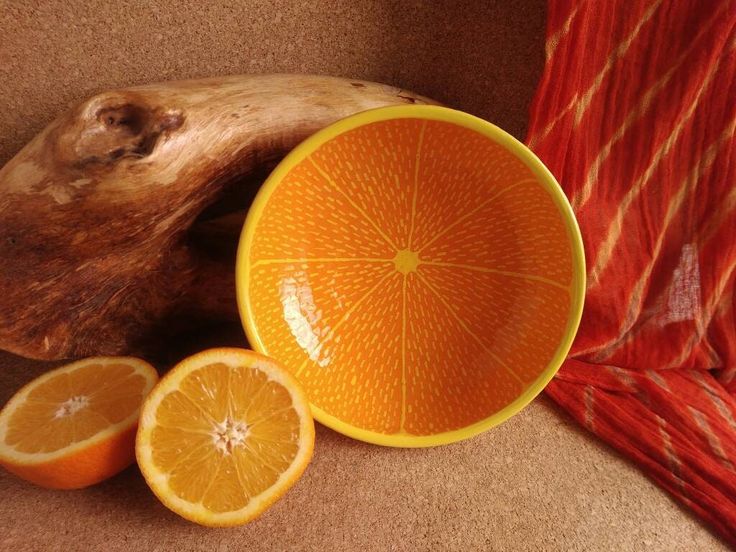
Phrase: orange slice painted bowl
{"type": "Point", "coordinates": [418, 269]}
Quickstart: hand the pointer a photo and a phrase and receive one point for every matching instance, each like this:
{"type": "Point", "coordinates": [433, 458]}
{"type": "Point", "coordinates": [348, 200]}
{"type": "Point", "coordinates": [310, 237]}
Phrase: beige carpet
{"type": "Point", "coordinates": [535, 483]}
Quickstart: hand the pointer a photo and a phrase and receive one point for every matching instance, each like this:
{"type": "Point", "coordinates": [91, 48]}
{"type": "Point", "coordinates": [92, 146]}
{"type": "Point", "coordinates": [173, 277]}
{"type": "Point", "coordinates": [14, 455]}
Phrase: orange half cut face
{"type": "Point", "coordinates": [417, 269]}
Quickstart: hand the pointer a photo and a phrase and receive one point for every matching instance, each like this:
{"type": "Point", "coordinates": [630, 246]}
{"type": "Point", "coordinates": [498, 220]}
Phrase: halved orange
{"type": "Point", "coordinates": [418, 269]}
{"type": "Point", "coordinates": [223, 435]}
{"type": "Point", "coordinates": [75, 425]}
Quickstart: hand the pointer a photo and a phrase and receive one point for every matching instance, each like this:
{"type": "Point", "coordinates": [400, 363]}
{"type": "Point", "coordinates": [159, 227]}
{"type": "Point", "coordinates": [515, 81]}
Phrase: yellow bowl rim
{"type": "Point", "coordinates": [434, 113]}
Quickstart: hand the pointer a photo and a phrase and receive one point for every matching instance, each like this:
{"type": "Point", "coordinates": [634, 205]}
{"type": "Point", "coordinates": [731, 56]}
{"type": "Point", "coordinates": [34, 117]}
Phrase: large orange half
{"type": "Point", "coordinates": [418, 269]}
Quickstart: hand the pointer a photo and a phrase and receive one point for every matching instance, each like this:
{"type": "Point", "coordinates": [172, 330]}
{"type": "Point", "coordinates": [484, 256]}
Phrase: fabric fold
{"type": "Point", "coordinates": [635, 115]}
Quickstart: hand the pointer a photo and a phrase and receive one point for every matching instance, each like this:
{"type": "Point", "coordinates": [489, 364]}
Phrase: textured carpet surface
{"type": "Point", "coordinates": [535, 483]}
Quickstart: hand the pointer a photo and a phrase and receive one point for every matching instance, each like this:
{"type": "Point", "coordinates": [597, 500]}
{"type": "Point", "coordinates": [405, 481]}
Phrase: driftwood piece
{"type": "Point", "coordinates": [119, 220]}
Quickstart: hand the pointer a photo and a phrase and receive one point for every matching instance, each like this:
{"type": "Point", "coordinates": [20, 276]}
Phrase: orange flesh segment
{"type": "Point", "coordinates": [186, 432]}
{"type": "Point", "coordinates": [524, 344]}
{"type": "Point", "coordinates": [452, 379]}
{"type": "Point", "coordinates": [368, 388]}
{"type": "Point", "coordinates": [332, 227]}
{"type": "Point", "coordinates": [459, 171]}
{"type": "Point", "coordinates": [73, 406]}
{"type": "Point", "coordinates": [468, 313]}
{"type": "Point", "coordinates": [384, 191]}
{"type": "Point", "coordinates": [312, 308]}
{"type": "Point", "coordinates": [534, 243]}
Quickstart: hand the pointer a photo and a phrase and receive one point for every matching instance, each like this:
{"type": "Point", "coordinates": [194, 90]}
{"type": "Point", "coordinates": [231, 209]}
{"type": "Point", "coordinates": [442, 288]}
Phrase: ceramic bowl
{"type": "Point", "coordinates": [418, 269]}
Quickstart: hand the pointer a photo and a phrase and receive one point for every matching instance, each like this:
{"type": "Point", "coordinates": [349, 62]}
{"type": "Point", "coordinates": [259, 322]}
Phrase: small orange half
{"type": "Point", "coordinates": [75, 426]}
{"type": "Point", "coordinates": [418, 269]}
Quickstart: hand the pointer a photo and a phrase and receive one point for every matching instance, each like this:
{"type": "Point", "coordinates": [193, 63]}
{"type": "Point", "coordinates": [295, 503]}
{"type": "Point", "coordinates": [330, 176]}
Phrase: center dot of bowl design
{"type": "Point", "coordinates": [406, 261]}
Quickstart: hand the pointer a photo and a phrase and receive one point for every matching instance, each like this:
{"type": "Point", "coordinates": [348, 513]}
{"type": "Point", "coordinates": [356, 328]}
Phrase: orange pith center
{"type": "Point", "coordinates": [406, 261]}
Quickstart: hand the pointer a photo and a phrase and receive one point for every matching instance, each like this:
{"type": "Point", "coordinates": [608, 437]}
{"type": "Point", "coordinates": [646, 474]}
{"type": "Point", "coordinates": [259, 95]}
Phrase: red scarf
{"type": "Point", "coordinates": [635, 115]}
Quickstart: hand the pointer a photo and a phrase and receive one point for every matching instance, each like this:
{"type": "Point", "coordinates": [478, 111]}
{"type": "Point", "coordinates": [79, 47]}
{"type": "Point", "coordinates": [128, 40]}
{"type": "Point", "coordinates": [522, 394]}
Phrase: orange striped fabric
{"type": "Point", "coordinates": [635, 115]}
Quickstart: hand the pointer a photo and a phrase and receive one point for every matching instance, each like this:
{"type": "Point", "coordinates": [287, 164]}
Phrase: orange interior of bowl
{"type": "Point", "coordinates": [419, 271]}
